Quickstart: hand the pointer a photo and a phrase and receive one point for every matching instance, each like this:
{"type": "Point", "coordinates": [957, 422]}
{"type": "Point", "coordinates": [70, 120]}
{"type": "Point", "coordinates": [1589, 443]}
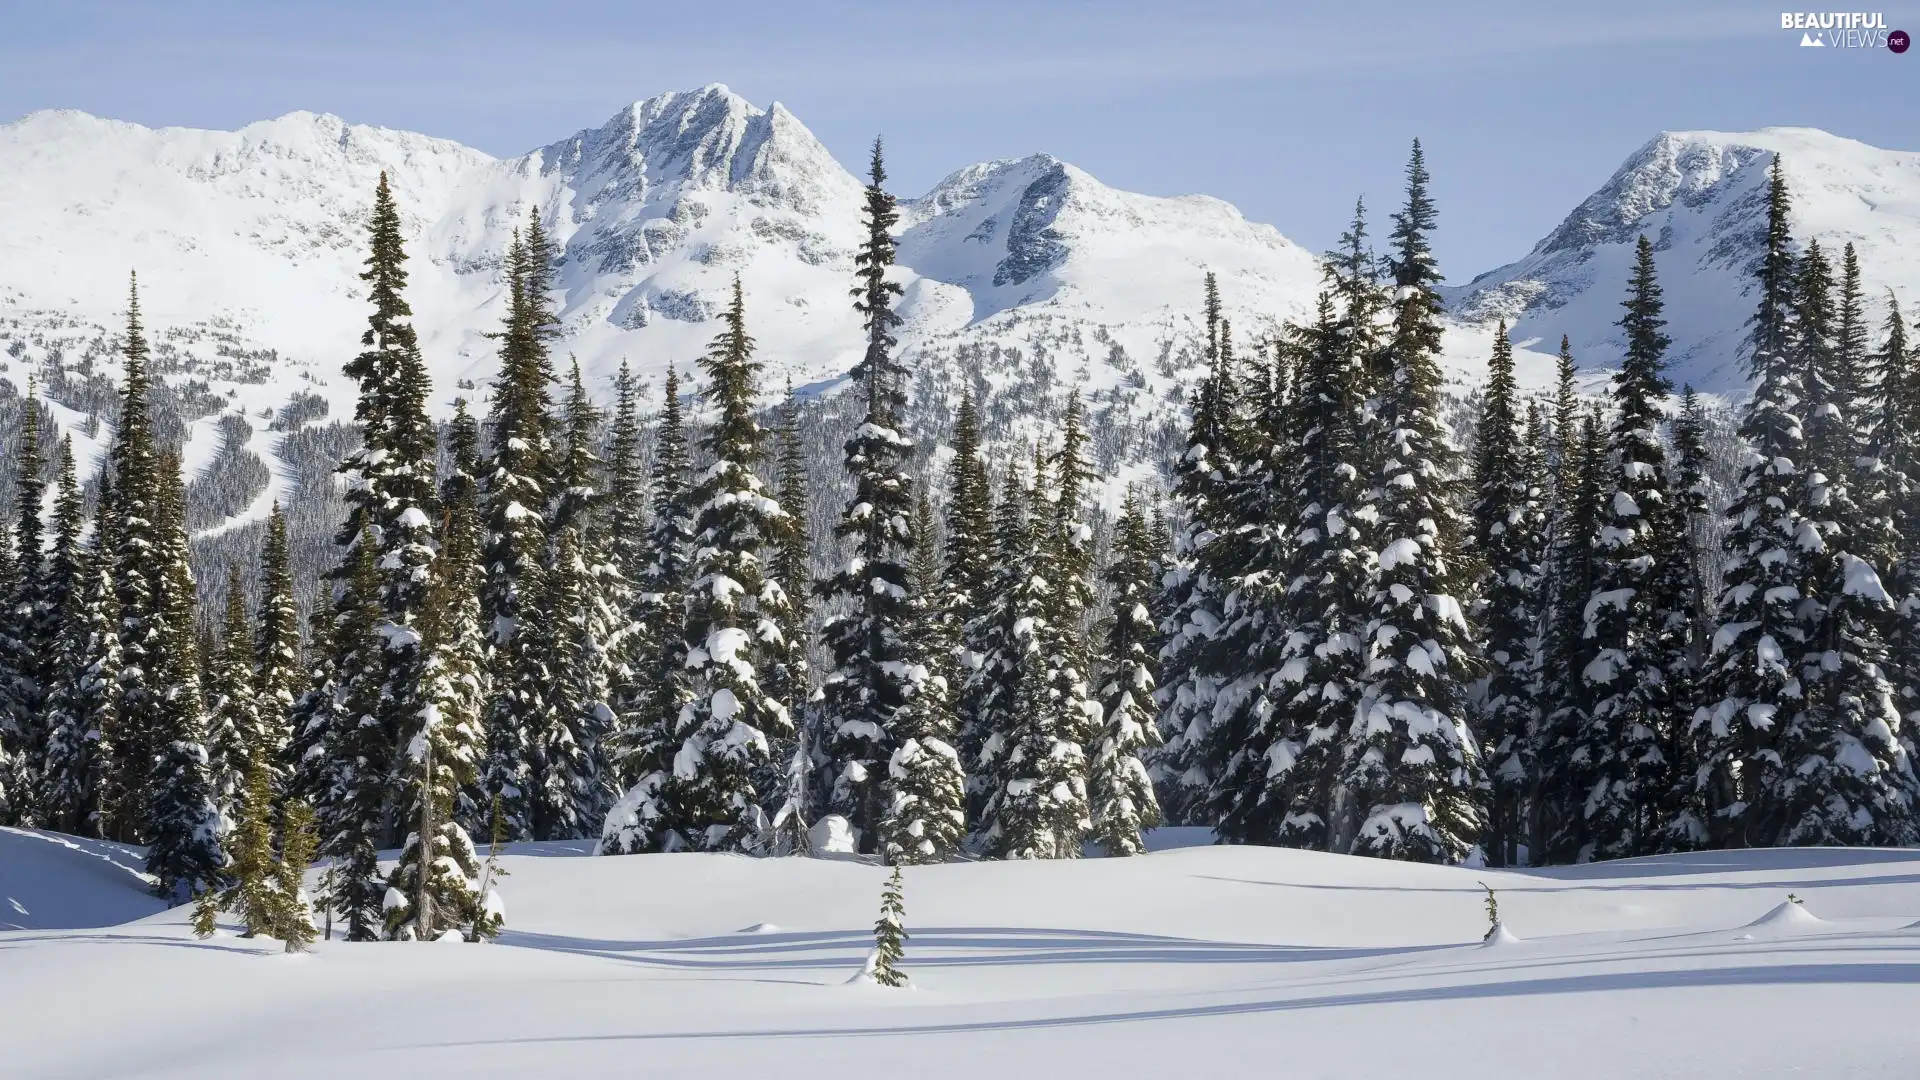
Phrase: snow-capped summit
{"type": "Point", "coordinates": [1023, 277]}
{"type": "Point", "coordinates": [1700, 197]}
{"type": "Point", "coordinates": [653, 213]}
{"type": "Point", "coordinates": [1037, 230]}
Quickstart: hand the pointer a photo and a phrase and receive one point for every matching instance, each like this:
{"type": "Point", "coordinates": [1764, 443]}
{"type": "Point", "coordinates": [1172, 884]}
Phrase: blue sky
{"type": "Point", "coordinates": [1288, 111]}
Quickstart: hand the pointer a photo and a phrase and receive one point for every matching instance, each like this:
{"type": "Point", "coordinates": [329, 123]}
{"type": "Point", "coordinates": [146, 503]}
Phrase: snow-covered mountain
{"type": "Point", "coordinates": [1700, 196]}
{"type": "Point", "coordinates": [1024, 278]}
{"type": "Point", "coordinates": [258, 231]}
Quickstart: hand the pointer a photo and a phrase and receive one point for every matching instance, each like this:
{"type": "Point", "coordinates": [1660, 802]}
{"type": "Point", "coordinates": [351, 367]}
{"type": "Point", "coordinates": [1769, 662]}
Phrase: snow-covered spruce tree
{"type": "Point", "coordinates": [442, 759]}
{"type": "Point", "coordinates": [515, 484]}
{"type": "Point", "coordinates": [1283, 774]}
{"type": "Point", "coordinates": [1192, 595]}
{"type": "Point", "coordinates": [233, 718]}
{"type": "Point", "coordinates": [1331, 568]}
{"type": "Point", "coordinates": [575, 636]}
{"type": "Point", "coordinates": [1629, 634]}
{"type": "Point", "coordinates": [66, 567]}
{"type": "Point", "coordinates": [1018, 773]}
{"type": "Point", "coordinates": [1546, 794]}
{"type": "Point", "coordinates": [626, 498]}
{"type": "Point", "coordinates": [1411, 768]}
{"type": "Point", "coordinates": [1564, 767]}
{"type": "Point", "coordinates": [1119, 789]}
{"type": "Point", "coordinates": [86, 661]}
{"type": "Point", "coordinates": [354, 774]}
{"type": "Point", "coordinates": [27, 628]}
{"type": "Point", "coordinates": [136, 481]}
{"type": "Point", "coordinates": [1845, 777]}
{"type": "Point", "coordinates": [315, 716]}
{"type": "Point", "coordinates": [1509, 534]}
{"type": "Point", "coordinates": [639, 822]}
{"type": "Point", "coordinates": [926, 816]}
{"type": "Point", "coordinates": [1752, 681]}
{"type": "Point", "coordinates": [182, 818]}
{"type": "Point", "coordinates": [875, 674]}
{"type": "Point", "coordinates": [1067, 542]}
{"type": "Point", "coordinates": [399, 489]}
{"type": "Point", "coordinates": [935, 629]}
{"type": "Point", "coordinates": [790, 678]}
{"type": "Point", "coordinates": [278, 679]}
{"type": "Point", "coordinates": [724, 732]}
{"type": "Point", "coordinates": [789, 775]}
{"type": "Point", "coordinates": [378, 666]}
{"type": "Point", "coordinates": [1897, 445]}
{"type": "Point", "coordinates": [925, 820]}
{"type": "Point", "coordinates": [966, 582]}
{"type": "Point", "coordinates": [458, 641]}
{"type": "Point", "coordinates": [1246, 563]}
{"type": "Point", "coordinates": [8, 797]}
{"type": "Point", "coordinates": [625, 520]}
{"type": "Point", "coordinates": [1689, 620]}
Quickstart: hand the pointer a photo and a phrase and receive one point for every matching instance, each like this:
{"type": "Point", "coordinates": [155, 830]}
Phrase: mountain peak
{"type": "Point", "coordinates": [1700, 197]}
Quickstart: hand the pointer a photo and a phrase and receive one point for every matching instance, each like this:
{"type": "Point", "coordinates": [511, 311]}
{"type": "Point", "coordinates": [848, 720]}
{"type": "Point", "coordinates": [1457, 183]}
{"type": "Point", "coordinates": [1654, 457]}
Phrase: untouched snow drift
{"type": "Point", "coordinates": [1190, 962]}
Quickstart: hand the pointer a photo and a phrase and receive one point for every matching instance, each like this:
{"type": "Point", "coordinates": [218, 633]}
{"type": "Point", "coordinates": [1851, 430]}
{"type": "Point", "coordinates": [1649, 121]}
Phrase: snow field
{"type": "Point", "coordinates": [1190, 962]}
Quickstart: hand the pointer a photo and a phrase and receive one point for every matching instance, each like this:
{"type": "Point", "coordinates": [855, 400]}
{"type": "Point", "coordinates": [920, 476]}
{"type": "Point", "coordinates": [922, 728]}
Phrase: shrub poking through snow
{"type": "Point", "coordinates": [1493, 913]}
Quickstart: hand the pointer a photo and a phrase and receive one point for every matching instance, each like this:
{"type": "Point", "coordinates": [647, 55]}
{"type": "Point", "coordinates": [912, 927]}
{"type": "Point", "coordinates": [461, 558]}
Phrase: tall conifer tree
{"type": "Point", "coordinates": [725, 731]}
{"type": "Point", "coordinates": [967, 579]}
{"type": "Point", "coordinates": [278, 680]}
{"type": "Point", "coordinates": [1508, 532]}
{"type": "Point", "coordinates": [233, 717]}
{"type": "Point", "coordinates": [1753, 680]}
{"type": "Point", "coordinates": [1845, 777]}
{"type": "Point", "coordinates": [1411, 766]}
{"type": "Point", "coordinates": [80, 705]}
{"type": "Point", "coordinates": [578, 623]}
{"type": "Point", "coordinates": [515, 486]}
{"type": "Point", "coordinates": [181, 814]}
{"type": "Point", "coordinates": [27, 626]}
{"type": "Point", "coordinates": [875, 678]}
{"type": "Point", "coordinates": [1897, 445]}
{"type": "Point", "coordinates": [136, 482]}
{"type": "Point", "coordinates": [640, 821]}
{"type": "Point", "coordinates": [1629, 636]}
{"type": "Point", "coordinates": [1119, 789]}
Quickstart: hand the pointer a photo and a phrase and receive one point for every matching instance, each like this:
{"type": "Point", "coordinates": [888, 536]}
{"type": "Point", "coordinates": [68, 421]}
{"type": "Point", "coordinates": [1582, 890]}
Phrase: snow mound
{"type": "Point", "coordinates": [1498, 936]}
{"type": "Point", "coordinates": [864, 977]}
{"type": "Point", "coordinates": [759, 928]}
{"type": "Point", "coordinates": [833, 835]}
{"type": "Point", "coordinates": [1787, 913]}
{"type": "Point", "coordinates": [54, 882]}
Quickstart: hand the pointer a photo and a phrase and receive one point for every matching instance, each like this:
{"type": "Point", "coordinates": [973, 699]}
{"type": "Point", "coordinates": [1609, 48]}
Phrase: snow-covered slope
{"type": "Point", "coordinates": [1202, 962]}
{"type": "Point", "coordinates": [53, 882]}
{"type": "Point", "coordinates": [1700, 197]}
